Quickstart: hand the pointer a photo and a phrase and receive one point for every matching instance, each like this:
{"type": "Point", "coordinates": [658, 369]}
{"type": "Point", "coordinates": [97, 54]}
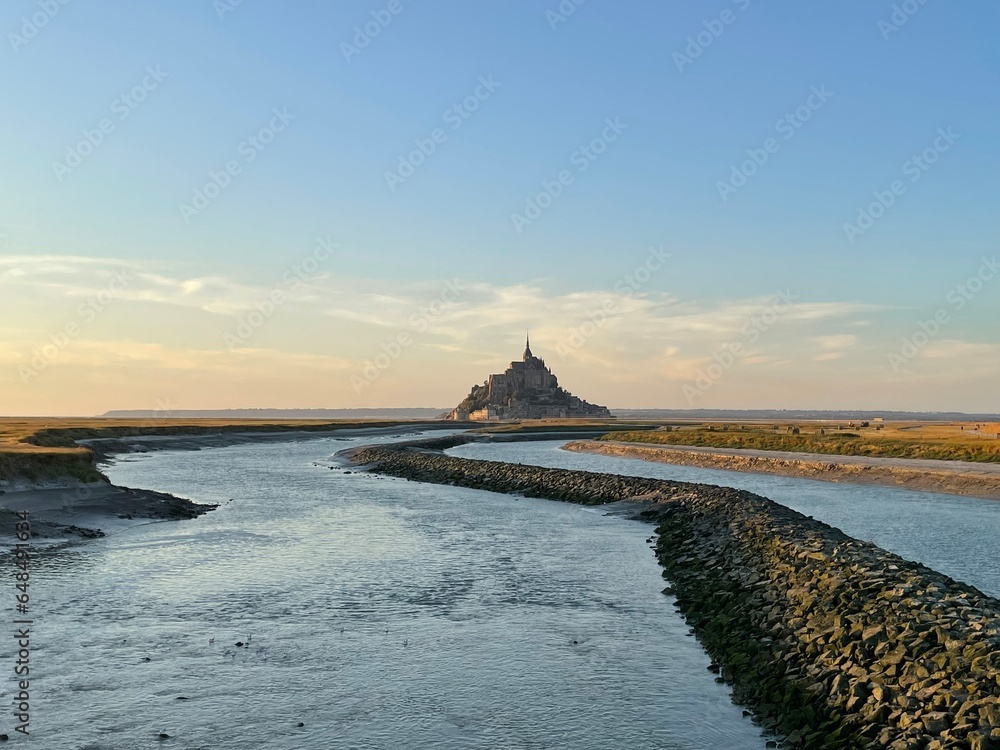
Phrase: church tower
{"type": "Point", "coordinates": [527, 348]}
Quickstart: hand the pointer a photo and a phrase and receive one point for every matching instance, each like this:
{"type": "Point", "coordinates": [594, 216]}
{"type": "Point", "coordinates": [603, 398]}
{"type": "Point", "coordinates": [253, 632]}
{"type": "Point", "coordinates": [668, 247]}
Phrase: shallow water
{"type": "Point", "coordinates": [379, 613]}
{"type": "Point", "coordinates": [956, 535]}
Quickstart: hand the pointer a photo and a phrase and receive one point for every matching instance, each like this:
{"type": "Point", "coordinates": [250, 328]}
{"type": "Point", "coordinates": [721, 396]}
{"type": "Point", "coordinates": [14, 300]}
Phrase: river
{"type": "Point", "coordinates": [952, 534]}
{"type": "Point", "coordinates": [378, 613]}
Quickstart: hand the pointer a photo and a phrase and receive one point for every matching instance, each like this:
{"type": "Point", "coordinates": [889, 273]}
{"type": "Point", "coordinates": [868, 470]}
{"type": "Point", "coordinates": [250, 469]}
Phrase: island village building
{"type": "Point", "coordinates": [527, 390]}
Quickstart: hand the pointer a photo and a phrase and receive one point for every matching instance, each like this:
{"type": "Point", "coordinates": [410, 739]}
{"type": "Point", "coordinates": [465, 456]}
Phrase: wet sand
{"type": "Point", "coordinates": [88, 511]}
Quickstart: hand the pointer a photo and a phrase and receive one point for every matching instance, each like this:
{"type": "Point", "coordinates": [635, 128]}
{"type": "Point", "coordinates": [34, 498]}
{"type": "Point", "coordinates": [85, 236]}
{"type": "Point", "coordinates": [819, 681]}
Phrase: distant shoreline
{"type": "Point", "coordinates": [946, 477]}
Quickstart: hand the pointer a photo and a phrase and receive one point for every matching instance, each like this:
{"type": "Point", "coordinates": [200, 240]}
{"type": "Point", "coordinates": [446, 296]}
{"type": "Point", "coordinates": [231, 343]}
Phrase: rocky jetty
{"type": "Point", "coordinates": [834, 642]}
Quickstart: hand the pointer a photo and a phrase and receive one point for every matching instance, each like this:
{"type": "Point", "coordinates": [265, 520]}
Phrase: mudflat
{"type": "Point", "coordinates": [89, 510]}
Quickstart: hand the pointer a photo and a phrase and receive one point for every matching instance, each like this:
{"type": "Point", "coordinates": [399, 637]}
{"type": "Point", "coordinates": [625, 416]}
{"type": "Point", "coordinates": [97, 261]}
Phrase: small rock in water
{"type": "Point", "coordinates": [239, 644]}
{"type": "Point", "coordinates": [182, 697]}
{"type": "Point", "coordinates": [164, 736]}
{"type": "Point", "coordinates": [300, 724]}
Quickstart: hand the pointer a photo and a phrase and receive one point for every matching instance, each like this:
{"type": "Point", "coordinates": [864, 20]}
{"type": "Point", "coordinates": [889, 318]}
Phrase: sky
{"type": "Point", "coordinates": [726, 204]}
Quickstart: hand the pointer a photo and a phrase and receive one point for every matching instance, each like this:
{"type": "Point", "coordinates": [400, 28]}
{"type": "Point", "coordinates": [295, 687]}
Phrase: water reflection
{"type": "Point", "coordinates": [958, 536]}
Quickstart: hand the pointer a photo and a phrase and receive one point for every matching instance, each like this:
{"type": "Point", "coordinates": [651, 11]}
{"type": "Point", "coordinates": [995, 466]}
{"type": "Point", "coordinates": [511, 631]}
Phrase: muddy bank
{"type": "Point", "coordinates": [948, 477]}
{"type": "Point", "coordinates": [89, 510]}
{"type": "Point", "coordinates": [834, 642]}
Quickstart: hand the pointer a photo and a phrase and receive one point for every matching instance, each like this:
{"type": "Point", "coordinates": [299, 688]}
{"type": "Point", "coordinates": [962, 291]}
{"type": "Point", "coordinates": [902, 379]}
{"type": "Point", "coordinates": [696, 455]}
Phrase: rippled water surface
{"type": "Point", "coordinates": [379, 613]}
{"type": "Point", "coordinates": [959, 536]}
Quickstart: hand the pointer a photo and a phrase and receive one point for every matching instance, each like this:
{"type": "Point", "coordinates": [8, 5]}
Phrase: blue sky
{"type": "Point", "coordinates": [657, 184]}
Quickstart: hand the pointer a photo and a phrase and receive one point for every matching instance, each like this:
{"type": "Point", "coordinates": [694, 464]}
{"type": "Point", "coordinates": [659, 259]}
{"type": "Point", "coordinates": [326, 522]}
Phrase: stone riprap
{"type": "Point", "coordinates": [834, 642]}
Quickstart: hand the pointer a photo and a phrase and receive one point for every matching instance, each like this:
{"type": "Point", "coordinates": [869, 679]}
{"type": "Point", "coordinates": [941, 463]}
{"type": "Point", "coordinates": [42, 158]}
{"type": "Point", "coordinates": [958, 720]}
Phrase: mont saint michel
{"type": "Point", "coordinates": [270, 480]}
{"type": "Point", "coordinates": [526, 390]}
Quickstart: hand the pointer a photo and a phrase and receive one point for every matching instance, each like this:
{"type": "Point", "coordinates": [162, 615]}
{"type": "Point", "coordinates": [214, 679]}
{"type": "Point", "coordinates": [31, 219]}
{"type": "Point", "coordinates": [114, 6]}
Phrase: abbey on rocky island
{"type": "Point", "coordinates": [527, 390]}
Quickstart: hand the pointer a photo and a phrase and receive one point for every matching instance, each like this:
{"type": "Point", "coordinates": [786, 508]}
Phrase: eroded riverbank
{"type": "Point", "coordinates": [833, 641]}
{"type": "Point", "coordinates": [89, 511]}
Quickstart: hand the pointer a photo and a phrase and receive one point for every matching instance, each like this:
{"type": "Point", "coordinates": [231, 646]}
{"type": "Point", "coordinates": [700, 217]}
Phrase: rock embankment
{"type": "Point", "coordinates": [836, 643]}
{"type": "Point", "coordinates": [949, 477]}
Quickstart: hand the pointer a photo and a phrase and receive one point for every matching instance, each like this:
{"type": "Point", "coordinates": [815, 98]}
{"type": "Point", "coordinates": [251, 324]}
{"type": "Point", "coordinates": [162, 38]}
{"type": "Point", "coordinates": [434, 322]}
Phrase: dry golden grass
{"type": "Point", "coordinates": [964, 441]}
{"type": "Point", "coordinates": [16, 432]}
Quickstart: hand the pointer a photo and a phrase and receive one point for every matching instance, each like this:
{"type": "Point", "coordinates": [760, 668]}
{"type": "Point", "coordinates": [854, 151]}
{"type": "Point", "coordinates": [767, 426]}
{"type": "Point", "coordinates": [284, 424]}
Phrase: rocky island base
{"type": "Point", "coordinates": [834, 642]}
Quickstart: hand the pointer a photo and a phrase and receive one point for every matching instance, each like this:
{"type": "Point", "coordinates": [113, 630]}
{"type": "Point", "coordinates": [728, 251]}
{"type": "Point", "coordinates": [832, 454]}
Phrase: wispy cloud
{"type": "Point", "coordinates": [330, 324]}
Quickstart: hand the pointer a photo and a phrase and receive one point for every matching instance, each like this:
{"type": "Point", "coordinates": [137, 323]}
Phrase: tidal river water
{"type": "Point", "coordinates": [958, 536]}
{"type": "Point", "coordinates": [375, 613]}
